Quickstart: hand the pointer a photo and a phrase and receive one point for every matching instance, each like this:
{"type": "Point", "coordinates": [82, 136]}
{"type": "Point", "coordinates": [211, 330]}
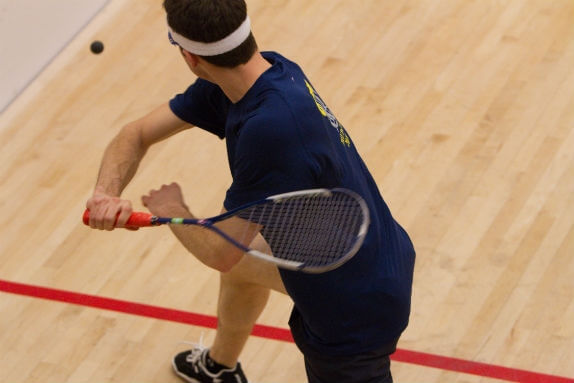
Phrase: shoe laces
{"type": "Point", "coordinates": [194, 358]}
{"type": "Point", "coordinates": [197, 350]}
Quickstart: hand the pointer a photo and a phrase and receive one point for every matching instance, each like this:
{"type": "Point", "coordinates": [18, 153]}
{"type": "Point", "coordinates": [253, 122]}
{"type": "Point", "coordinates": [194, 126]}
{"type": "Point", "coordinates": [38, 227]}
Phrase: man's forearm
{"type": "Point", "coordinates": [120, 162]}
{"type": "Point", "coordinates": [208, 247]}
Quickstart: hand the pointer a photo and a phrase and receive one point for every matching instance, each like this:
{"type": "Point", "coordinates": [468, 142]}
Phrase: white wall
{"type": "Point", "coordinates": [32, 33]}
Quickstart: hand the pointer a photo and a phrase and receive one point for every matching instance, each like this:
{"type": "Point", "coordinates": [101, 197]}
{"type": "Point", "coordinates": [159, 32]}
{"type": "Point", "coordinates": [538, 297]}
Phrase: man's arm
{"type": "Point", "coordinates": [208, 247]}
{"type": "Point", "coordinates": [120, 162]}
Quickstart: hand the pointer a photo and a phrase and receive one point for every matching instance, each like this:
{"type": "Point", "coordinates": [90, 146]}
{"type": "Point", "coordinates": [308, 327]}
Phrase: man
{"type": "Point", "coordinates": [280, 137]}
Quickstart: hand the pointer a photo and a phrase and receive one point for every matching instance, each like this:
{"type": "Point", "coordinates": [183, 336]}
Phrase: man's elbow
{"type": "Point", "coordinates": [224, 263]}
{"type": "Point", "coordinates": [224, 267]}
{"type": "Point", "coordinates": [132, 132]}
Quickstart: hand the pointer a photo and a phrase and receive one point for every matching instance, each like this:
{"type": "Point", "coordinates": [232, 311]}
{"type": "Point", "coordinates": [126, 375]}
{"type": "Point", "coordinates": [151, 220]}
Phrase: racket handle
{"type": "Point", "coordinates": [137, 219]}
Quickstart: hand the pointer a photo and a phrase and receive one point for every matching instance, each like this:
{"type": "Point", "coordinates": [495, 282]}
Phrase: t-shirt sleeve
{"type": "Point", "coordinates": [270, 159]}
{"type": "Point", "coordinates": [204, 105]}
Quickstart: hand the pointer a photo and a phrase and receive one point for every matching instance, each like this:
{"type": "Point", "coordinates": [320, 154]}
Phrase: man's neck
{"type": "Point", "coordinates": [237, 81]}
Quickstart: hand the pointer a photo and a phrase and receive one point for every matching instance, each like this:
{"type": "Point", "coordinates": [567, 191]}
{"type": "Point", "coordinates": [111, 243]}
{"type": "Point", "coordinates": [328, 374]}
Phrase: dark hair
{"type": "Point", "coordinates": [211, 20]}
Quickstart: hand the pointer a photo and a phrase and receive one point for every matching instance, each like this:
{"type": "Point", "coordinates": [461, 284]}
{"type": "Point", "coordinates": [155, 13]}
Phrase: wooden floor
{"type": "Point", "coordinates": [463, 110]}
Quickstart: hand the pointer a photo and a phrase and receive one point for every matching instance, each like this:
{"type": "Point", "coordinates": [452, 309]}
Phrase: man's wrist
{"type": "Point", "coordinates": [100, 189]}
{"type": "Point", "coordinates": [176, 211]}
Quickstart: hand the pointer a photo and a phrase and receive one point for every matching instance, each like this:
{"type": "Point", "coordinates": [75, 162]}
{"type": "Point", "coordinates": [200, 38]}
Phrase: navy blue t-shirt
{"type": "Point", "coordinates": [282, 137]}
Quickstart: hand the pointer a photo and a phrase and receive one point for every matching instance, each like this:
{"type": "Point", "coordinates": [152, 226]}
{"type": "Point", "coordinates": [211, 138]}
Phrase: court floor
{"type": "Point", "coordinates": [464, 112]}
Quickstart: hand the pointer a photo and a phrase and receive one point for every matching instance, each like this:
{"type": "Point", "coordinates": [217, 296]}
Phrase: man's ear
{"type": "Point", "coordinates": [191, 58]}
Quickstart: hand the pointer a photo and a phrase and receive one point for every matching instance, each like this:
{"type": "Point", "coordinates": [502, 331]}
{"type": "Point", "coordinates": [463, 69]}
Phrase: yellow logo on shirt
{"type": "Point", "coordinates": [324, 110]}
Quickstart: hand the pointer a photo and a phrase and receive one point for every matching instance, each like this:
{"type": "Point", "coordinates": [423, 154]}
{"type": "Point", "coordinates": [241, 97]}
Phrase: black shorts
{"type": "Point", "coordinates": [368, 367]}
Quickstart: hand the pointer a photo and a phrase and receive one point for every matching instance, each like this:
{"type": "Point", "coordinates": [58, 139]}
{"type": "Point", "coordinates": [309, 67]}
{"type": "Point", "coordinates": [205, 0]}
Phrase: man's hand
{"type": "Point", "coordinates": [166, 202]}
{"type": "Point", "coordinates": [108, 212]}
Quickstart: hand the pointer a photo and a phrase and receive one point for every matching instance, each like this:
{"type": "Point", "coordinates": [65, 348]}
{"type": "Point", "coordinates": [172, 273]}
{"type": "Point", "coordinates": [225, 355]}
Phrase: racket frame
{"type": "Point", "coordinates": [279, 198]}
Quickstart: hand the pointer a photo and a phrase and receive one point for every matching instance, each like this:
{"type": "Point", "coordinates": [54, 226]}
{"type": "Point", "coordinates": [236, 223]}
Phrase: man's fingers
{"type": "Point", "coordinates": [110, 218]}
{"type": "Point", "coordinates": [97, 214]}
{"type": "Point", "coordinates": [123, 216]}
{"type": "Point", "coordinates": [108, 215]}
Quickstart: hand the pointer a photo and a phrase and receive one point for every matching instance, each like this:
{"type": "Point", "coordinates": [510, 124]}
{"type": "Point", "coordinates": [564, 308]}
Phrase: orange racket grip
{"type": "Point", "coordinates": [137, 219]}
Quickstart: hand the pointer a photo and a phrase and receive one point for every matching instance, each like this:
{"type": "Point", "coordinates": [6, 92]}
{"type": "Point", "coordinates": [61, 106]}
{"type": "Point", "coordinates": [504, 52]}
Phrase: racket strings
{"type": "Point", "coordinates": [315, 230]}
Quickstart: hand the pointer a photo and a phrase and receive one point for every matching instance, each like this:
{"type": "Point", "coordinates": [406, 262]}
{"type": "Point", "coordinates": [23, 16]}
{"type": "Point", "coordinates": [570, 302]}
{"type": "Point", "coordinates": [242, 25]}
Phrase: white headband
{"type": "Point", "coordinates": [224, 45]}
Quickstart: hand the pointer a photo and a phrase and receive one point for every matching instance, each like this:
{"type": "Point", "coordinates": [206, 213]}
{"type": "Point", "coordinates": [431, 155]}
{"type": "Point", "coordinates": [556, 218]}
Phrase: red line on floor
{"type": "Point", "coordinates": [269, 332]}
